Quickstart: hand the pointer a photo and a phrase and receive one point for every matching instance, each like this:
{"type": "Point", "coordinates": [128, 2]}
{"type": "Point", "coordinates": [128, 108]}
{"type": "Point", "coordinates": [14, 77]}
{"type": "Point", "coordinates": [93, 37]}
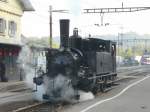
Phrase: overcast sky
{"type": "Point", "coordinates": [37, 23]}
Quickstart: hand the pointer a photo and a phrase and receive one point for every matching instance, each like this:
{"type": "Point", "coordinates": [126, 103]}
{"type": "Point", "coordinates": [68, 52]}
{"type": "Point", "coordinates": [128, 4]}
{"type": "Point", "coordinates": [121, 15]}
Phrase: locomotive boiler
{"type": "Point", "coordinates": [79, 64]}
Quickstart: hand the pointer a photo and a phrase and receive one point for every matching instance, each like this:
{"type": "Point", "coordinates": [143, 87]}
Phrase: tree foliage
{"type": "Point", "coordinates": [42, 42]}
{"type": "Point", "coordinates": [137, 50]}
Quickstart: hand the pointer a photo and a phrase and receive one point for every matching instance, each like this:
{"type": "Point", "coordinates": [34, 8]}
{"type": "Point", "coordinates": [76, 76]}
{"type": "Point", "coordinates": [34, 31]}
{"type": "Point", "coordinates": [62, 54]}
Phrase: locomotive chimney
{"type": "Point", "coordinates": [64, 33]}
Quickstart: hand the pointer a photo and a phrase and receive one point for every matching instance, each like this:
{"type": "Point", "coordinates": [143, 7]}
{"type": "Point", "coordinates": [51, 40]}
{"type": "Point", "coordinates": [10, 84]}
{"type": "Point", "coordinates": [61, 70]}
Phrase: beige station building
{"type": "Point", "coordinates": [11, 12]}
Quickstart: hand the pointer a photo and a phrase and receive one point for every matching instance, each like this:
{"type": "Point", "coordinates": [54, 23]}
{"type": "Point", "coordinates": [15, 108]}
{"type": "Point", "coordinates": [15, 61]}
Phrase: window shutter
{"type": "Point", "coordinates": [5, 24]}
{"type": "Point", "coordinates": [15, 27]}
{"type": "Point", "coordinates": [1, 25]}
{"type": "Point", "coordinates": [9, 30]}
{"type": "Point", "coordinates": [12, 28]}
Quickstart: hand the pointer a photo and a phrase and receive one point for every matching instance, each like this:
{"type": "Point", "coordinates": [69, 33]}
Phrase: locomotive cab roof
{"type": "Point", "coordinates": [96, 44]}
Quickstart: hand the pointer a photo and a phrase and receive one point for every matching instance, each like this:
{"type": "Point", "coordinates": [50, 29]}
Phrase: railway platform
{"type": "Point", "coordinates": [11, 86]}
{"type": "Point", "coordinates": [10, 89]}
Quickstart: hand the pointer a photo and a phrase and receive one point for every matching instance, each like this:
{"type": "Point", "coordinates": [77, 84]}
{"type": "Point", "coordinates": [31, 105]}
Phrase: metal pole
{"type": "Point", "coordinates": [118, 43]}
{"type": "Point", "coordinates": [50, 8]}
{"type": "Point", "coordinates": [145, 44]}
{"type": "Point", "coordinates": [51, 23]}
{"type": "Point", "coordinates": [102, 17]}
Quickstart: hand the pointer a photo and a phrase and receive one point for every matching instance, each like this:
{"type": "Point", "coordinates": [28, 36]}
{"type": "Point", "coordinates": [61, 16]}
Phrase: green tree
{"type": "Point", "coordinates": [41, 42]}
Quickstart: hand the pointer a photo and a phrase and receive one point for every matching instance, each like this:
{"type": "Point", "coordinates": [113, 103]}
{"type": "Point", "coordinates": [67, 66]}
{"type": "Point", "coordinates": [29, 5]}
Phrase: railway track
{"type": "Point", "coordinates": [48, 107]}
{"type": "Point", "coordinates": [38, 107]}
{"type": "Point", "coordinates": [41, 107]}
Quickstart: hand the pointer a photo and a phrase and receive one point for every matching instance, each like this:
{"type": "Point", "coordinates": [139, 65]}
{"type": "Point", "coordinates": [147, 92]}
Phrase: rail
{"type": "Point", "coordinates": [30, 108]}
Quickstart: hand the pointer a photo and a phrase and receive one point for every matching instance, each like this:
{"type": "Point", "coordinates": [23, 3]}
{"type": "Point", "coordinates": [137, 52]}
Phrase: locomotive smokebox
{"type": "Point", "coordinates": [64, 33]}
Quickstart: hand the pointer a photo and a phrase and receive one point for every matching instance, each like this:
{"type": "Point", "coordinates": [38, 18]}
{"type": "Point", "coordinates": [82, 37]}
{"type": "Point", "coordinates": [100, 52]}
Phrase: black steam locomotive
{"type": "Point", "coordinates": [88, 64]}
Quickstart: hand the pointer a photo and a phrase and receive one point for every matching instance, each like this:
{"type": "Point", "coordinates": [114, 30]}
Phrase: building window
{"type": "Point", "coordinates": [12, 28]}
{"type": "Point", "coordinates": [2, 26]}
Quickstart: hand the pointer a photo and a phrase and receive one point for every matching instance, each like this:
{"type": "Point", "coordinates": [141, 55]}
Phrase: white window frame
{"type": "Point", "coordinates": [2, 26]}
{"type": "Point", "coordinates": [12, 28]}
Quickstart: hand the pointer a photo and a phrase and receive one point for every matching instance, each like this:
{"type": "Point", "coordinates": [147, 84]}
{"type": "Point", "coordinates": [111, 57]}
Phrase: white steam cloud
{"type": "Point", "coordinates": [25, 65]}
{"type": "Point", "coordinates": [25, 62]}
{"type": "Point", "coordinates": [84, 96]}
{"type": "Point", "coordinates": [59, 88]}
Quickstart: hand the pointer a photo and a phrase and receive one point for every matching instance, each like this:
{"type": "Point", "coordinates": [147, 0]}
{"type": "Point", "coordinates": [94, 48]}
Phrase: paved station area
{"type": "Point", "coordinates": [14, 95]}
{"type": "Point", "coordinates": [8, 86]}
{"type": "Point", "coordinates": [135, 99]}
{"type": "Point", "coordinates": [132, 95]}
{"type": "Point", "coordinates": [14, 91]}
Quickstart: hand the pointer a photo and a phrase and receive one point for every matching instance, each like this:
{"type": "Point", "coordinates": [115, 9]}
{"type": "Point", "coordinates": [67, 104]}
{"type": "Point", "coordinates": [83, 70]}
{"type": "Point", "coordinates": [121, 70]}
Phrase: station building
{"type": "Point", "coordinates": [11, 12]}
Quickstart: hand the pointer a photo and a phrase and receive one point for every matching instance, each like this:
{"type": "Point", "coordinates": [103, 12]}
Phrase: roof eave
{"type": "Point", "coordinates": [29, 9]}
{"type": "Point", "coordinates": [27, 6]}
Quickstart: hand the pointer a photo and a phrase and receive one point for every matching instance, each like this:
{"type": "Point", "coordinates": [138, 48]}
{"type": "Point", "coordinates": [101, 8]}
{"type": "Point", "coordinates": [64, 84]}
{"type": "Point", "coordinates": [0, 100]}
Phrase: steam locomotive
{"type": "Point", "coordinates": [87, 64]}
